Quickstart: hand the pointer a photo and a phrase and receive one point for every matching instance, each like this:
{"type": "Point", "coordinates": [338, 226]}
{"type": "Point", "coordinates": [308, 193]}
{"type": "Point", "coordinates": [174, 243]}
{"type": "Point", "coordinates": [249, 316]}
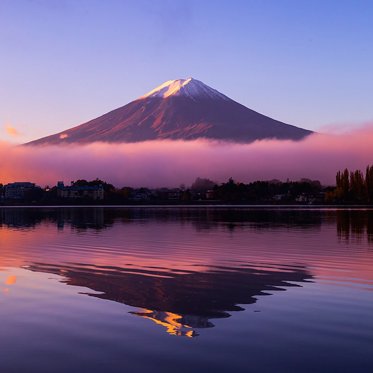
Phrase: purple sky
{"type": "Point", "coordinates": [63, 62]}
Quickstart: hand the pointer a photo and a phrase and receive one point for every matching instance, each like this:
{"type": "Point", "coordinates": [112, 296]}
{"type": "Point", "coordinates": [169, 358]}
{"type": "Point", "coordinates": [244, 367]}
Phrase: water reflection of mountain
{"type": "Point", "coordinates": [202, 218]}
{"type": "Point", "coordinates": [181, 302]}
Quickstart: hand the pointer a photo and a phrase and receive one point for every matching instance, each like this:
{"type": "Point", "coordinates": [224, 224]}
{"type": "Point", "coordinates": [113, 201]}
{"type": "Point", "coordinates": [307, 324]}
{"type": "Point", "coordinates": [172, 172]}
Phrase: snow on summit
{"type": "Point", "coordinates": [190, 87]}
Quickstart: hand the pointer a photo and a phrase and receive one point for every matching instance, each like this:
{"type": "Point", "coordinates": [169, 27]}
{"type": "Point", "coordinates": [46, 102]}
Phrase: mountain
{"type": "Point", "coordinates": [178, 109]}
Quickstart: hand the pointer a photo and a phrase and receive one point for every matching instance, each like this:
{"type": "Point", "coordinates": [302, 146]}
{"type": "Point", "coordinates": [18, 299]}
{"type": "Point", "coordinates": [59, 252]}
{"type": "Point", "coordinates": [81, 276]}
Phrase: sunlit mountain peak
{"type": "Point", "coordinates": [189, 87]}
{"type": "Point", "coordinates": [181, 109]}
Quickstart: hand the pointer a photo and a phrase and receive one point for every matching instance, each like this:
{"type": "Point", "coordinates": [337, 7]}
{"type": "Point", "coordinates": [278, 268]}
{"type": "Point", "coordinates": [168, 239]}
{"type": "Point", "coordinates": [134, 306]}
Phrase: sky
{"type": "Point", "coordinates": [63, 62]}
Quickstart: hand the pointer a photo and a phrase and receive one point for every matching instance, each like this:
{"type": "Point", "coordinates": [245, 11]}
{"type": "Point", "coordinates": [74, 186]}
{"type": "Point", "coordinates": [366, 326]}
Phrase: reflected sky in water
{"type": "Point", "coordinates": [109, 288]}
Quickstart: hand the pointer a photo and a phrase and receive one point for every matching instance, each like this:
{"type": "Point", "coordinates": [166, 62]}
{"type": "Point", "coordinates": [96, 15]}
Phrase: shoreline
{"type": "Point", "coordinates": [203, 206]}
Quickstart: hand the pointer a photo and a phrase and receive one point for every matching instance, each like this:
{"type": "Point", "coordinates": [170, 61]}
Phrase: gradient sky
{"type": "Point", "coordinates": [63, 62]}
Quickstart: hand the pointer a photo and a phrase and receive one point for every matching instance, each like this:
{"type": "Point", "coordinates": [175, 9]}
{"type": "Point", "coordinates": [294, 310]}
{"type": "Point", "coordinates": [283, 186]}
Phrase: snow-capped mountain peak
{"type": "Point", "coordinates": [190, 87]}
{"type": "Point", "coordinates": [182, 109]}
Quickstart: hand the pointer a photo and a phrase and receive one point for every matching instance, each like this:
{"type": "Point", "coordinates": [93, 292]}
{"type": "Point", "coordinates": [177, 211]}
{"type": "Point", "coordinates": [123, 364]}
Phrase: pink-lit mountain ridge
{"type": "Point", "coordinates": [184, 109]}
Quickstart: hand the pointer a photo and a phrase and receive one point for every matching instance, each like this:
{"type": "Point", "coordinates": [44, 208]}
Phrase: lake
{"type": "Point", "coordinates": [184, 289]}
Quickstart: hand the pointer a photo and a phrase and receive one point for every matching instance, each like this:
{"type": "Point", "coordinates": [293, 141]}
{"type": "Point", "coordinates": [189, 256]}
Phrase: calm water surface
{"type": "Point", "coordinates": [186, 290]}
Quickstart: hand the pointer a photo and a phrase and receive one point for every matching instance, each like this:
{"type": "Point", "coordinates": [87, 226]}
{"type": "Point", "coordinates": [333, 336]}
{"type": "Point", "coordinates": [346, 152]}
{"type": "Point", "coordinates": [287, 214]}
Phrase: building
{"type": "Point", "coordinates": [95, 192]}
{"type": "Point", "coordinates": [18, 190]}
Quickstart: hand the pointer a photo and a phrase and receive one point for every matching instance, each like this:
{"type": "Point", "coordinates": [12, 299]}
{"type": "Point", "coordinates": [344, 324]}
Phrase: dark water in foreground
{"type": "Point", "coordinates": [186, 290]}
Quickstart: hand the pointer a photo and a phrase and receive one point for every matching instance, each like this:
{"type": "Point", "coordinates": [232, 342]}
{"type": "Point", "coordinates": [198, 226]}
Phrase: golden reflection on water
{"type": "Point", "coordinates": [170, 321]}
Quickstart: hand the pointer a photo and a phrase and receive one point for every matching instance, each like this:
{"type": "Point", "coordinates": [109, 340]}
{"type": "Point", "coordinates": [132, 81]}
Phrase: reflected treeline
{"type": "Point", "coordinates": [258, 218]}
{"type": "Point", "coordinates": [80, 218]}
{"type": "Point", "coordinates": [355, 225]}
{"type": "Point", "coordinates": [350, 223]}
{"type": "Point", "coordinates": [202, 218]}
{"type": "Point", "coordinates": [180, 302]}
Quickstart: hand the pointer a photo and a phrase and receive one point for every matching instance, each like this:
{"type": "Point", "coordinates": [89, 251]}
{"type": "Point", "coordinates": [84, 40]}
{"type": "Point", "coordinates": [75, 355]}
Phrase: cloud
{"type": "Point", "coordinates": [11, 131]}
{"type": "Point", "coordinates": [171, 163]}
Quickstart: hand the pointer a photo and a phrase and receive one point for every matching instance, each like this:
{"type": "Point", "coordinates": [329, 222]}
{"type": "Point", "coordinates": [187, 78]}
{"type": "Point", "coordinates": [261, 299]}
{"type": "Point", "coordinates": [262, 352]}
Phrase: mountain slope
{"type": "Point", "coordinates": [178, 109]}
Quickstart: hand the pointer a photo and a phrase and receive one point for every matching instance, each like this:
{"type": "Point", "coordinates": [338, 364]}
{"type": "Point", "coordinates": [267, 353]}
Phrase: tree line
{"type": "Point", "coordinates": [353, 187]}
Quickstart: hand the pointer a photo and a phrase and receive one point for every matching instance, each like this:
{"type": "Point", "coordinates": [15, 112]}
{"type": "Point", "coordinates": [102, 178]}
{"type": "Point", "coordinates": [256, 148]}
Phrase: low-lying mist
{"type": "Point", "coordinates": [171, 163]}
